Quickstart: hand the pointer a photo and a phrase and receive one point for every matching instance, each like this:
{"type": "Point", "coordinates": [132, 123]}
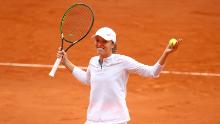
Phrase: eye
{"type": "Point", "coordinates": [97, 40]}
{"type": "Point", "coordinates": [104, 41]}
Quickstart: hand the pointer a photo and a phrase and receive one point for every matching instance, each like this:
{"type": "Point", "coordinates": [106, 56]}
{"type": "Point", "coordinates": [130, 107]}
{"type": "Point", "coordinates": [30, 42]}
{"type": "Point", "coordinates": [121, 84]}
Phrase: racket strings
{"type": "Point", "coordinates": [77, 23]}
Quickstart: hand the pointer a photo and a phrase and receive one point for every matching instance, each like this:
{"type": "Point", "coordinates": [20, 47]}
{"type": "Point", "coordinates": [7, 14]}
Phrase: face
{"type": "Point", "coordinates": [103, 47]}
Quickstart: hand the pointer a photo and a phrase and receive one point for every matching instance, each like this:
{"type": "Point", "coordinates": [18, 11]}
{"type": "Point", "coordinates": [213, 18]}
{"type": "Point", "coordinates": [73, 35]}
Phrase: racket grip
{"type": "Point", "coordinates": [55, 66]}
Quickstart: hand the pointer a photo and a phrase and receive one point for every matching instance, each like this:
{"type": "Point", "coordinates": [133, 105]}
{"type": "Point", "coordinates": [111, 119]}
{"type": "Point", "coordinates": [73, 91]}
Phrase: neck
{"type": "Point", "coordinates": [101, 57]}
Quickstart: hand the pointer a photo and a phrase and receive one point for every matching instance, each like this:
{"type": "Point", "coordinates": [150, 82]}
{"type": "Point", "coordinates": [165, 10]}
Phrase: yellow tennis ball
{"type": "Point", "coordinates": [172, 42]}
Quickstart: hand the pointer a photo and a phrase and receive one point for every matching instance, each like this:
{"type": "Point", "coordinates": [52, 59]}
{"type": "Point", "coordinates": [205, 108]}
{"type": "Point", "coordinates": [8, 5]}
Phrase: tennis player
{"type": "Point", "coordinates": [107, 74]}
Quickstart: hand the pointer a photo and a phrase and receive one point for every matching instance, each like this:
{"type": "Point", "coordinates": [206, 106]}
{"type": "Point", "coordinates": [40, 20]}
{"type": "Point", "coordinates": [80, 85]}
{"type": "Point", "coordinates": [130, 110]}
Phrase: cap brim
{"type": "Point", "coordinates": [93, 37]}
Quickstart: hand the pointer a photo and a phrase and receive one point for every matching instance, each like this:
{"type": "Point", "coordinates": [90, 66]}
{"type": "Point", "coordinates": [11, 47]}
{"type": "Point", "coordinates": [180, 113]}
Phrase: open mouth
{"type": "Point", "coordinates": [100, 48]}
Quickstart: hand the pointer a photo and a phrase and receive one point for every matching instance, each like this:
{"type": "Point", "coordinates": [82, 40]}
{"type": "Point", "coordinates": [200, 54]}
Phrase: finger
{"type": "Point", "coordinates": [180, 40]}
{"type": "Point", "coordinates": [59, 52]}
{"type": "Point", "coordinates": [63, 51]}
{"type": "Point", "coordinates": [177, 43]}
{"type": "Point", "coordinates": [59, 48]}
{"type": "Point", "coordinates": [176, 46]}
{"type": "Point", "coordinates": [59, 56]}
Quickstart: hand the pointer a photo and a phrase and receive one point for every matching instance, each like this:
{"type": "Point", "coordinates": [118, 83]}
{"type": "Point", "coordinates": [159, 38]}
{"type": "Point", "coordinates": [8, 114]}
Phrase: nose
{"type": "Point", "coordinates": [98, 44]}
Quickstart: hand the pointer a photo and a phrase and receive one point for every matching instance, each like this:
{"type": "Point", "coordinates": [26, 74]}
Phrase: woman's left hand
{"type": "Point", "coordinates": [170, 49]}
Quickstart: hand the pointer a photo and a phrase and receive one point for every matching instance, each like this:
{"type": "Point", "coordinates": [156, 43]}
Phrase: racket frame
{"type": "Point", "coordinates": [72, 43]}
{"type": "Point", "coordinates": [62, 22]}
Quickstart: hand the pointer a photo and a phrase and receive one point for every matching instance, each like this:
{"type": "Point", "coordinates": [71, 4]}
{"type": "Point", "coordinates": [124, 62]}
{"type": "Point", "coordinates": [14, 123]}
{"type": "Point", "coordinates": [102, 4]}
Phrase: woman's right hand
{"type": "Point", "coordinates": [65, 61]}
{"type": "Point", "coordinates": [62, 54]}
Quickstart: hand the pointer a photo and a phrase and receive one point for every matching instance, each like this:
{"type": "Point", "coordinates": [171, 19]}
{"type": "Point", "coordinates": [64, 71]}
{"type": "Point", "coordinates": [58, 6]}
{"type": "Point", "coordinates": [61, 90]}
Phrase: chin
{"type": "Point", "coordinates": [100, 51]}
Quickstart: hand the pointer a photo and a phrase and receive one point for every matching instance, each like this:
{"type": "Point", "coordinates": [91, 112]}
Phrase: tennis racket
{"type": "Point", "coordinates": [76, 23]}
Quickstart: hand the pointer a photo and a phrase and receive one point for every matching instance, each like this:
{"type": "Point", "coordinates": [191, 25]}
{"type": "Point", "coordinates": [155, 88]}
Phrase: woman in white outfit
{"type": "Point", "coordinates": [107, 74]}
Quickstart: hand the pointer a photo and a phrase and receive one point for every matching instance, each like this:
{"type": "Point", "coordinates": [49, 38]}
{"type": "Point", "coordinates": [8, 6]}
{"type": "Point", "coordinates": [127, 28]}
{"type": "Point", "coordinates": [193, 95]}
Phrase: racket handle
{"type": "Point", "coordinates": [55, 66]}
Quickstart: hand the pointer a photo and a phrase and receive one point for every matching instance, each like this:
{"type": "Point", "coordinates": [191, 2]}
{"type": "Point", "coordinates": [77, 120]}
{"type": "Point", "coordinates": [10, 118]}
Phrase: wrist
{"type": "Point", "coordinates": [166, 52]}
{"type": "Point", "coordinates": [64, 60]}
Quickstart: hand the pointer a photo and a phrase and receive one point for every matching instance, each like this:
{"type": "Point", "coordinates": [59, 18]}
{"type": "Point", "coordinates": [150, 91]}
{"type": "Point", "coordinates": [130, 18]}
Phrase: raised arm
{"type": "Point", "coordinates": [132, 66]}
{"type": "Point", "coordinates": [79, 74]}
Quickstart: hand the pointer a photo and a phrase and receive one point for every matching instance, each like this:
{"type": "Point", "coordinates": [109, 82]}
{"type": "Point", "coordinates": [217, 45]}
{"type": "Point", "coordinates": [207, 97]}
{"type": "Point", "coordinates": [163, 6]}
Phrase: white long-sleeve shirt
{"type": "Point", "coordinates": [108, 86]}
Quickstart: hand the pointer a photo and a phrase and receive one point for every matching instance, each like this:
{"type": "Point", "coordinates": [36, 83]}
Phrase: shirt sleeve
{"type": "Point", "coordinates": [133, 66]}
{"type": "Point", "coordinates": [81, 75]}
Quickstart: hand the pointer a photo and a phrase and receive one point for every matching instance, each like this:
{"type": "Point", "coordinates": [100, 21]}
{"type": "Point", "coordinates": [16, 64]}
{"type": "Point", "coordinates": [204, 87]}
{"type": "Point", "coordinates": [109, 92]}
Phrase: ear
{"type": "Point", "coordinates": [113, 45]}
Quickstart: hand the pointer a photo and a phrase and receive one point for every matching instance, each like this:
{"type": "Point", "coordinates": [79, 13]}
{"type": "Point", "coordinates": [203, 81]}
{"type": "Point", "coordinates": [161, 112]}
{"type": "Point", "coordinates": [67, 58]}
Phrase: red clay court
{"type": "Point", "coordinates": [30, 35]}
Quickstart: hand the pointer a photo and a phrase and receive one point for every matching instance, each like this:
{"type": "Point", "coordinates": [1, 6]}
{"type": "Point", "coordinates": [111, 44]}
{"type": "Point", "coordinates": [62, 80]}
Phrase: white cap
{"type": "Point", "coordinates": [106, 33]}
